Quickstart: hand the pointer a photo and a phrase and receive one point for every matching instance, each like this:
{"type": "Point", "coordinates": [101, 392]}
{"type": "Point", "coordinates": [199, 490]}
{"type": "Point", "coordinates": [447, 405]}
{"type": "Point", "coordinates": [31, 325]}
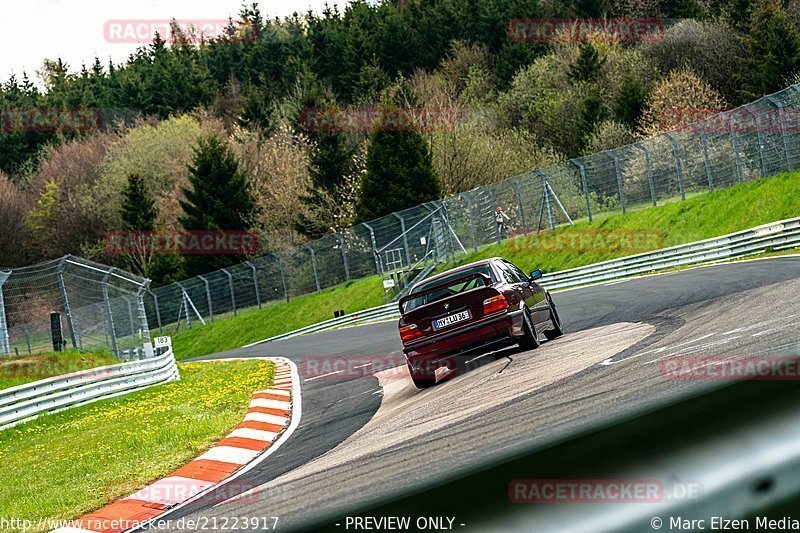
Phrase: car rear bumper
{"type": "Point", "coordinates": [471, 336]}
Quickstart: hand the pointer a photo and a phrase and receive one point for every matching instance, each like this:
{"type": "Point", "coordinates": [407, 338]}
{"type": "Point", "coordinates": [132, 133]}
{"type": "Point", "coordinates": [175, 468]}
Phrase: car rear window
{"type": "Point", "coordinates": [448, 286]}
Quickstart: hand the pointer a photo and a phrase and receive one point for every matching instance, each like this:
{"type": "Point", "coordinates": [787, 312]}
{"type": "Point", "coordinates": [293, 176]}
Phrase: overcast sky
{"type": "Point", "coordinates": [78, 30]}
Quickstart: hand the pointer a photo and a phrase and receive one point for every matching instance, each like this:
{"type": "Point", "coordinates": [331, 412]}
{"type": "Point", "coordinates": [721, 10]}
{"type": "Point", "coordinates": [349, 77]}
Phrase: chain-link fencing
{"type": "Point", "coordinates": [753, 141]}
{"type": "Point", "coordinates": [75, 304]}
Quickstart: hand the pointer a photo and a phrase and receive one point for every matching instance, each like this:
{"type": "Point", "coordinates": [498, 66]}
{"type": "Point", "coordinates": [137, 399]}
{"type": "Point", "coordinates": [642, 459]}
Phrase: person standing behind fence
{"type": "Point", "coordinates": [500, 217]}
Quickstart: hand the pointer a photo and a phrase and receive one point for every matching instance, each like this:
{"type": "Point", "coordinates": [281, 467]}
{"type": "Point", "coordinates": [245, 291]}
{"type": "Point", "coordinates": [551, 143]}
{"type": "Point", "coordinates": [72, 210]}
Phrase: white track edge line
{"type": "Point", "coordinates": [295, 421]}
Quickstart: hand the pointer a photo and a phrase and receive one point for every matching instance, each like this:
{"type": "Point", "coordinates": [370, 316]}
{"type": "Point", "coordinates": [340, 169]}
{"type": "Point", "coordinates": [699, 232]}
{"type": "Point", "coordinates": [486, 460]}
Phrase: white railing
{"type": "Point", "coordinates": [18, 404]}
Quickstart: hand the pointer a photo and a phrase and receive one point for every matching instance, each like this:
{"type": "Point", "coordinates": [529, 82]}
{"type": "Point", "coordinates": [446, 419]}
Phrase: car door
{"type": "Point", "coordinates": [535, 295]}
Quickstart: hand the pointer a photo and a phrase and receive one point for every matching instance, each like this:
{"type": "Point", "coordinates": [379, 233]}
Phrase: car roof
{"type": "Point", "coordinates": [457, 269]}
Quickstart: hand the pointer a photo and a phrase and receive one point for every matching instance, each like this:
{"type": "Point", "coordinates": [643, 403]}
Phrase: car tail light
{"type": "Point", "coordinates": [410, 332]}
{"type": "Point", "coordinates": [494, 304]}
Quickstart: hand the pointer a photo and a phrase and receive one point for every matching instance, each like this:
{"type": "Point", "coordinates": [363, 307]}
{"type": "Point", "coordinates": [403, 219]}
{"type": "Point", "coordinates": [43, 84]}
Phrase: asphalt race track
{"type": "Point", "coordinates": [362, 441]}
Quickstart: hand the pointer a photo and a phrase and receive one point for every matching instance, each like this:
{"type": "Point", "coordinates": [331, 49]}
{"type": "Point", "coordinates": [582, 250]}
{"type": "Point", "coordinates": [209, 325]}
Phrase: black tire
{"type": "Point", "coordinates": [557, 330]}
{"type": "Point", "coordinates": [529, 341]}
{"type": "Point", "coordinates": [421, 382]}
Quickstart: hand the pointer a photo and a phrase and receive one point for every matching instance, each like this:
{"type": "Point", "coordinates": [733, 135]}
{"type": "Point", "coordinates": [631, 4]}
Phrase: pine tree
{"type": "Point", "coordinates": [331, 161]}
{"type": "Point", "coordinates": [399, 174]}
{"type": "Point", "coordinates": [138, 207]}
{"type": "Point", "coordinates": [588, 63]}
{"type": "Point", "coordinates": [630, 101]}
{"type": "Point", "coordinates": [774, 46]}
{"type": "Point", "coordinates": [139, 213]}
{"type": "Point", "coordinates": [219, 199]}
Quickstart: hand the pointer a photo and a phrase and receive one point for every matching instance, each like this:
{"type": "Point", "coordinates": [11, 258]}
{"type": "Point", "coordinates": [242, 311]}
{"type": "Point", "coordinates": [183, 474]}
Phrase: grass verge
{"type": "Point", "coordinates": [278, 318]}
{"type": "Point", "coordinates": [699, 217]}
{"type": "Point", "coordinates": [28, 368]}
{"type": "Point", "coordinates": [64, 465]}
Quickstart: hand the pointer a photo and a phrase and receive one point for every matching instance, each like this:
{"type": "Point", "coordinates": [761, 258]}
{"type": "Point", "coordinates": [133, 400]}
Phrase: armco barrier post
{"type": "Point", "coordinates": [208, 298]}
{"type": "Point", "coordinates": [230, 286]}
{"type": "Point", "coordinates": [678, 168]}
{"type": "Point", "coordinates": [345, 262]}
{"type": "Point", "coordinates": [5, 341]}
{"type": "Point", "coordinates": [648, 163]}
{"type": "Point", "coordinates": [255, 283]}
{"type": "Point", "coordinates": [65, 301]}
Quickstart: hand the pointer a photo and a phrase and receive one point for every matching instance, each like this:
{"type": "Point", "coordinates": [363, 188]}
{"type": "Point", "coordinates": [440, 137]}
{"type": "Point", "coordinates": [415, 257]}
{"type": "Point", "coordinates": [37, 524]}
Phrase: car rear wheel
{"type": "Point", "coordinates": [529, 340]}
{"type": "Point", "coordinates": [420, 380]}
{"type": "Point", "coordinates": [556, 331]}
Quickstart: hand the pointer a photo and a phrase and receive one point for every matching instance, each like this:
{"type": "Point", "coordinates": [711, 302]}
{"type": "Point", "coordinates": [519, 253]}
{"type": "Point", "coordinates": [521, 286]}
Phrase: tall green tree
{"type": "Point", "coordinates": [588, 63]}
{"type": "Point", "coordinates": [219, 199]}
{"type": "Point", "coordinates": [773, 44]}
{"type": "Point", "coordinates": [140, 214]}
{"type": "Point", "coordinates": [630, 101]}
{"type": "Point", "coordinates": [138, 207]}
{"type": "Point", "coordinates": [399, 174]}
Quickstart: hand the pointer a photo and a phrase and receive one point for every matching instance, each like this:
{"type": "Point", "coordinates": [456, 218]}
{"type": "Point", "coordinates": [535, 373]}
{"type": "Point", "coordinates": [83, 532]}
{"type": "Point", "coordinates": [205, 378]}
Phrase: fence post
{"type": "Point", "coordinates": [582, 170]}
{"type": "Point", "coordinates": [735, 145]}
{"type": "Point", "coordinates": [648, 163]}
{"type": "Point", "coordinates": [678, 168]}
{"type": "Point", "coordinates": [705, 158]}
{"type": "Point", "coordinates": [346, 264]}
{"type": "Point", "coordinates": [158, 311]}
{"type": "Point", "coordinates": [760, 141]}
{"type": "Point", "coordinates": [494, 211]}
{"type": "Point", "coordinates": [230, 284]}
{"type": "Point", "coordinates": [405, 237]}
{"type": "Point", "coordinates": [130, 315]}
{"type": "Point", "coordinates": [546, 201]}
{"type": "Point", "coordinates": [255, 283]}
{"type": "Point", "coordinates": [378, 267]}
{"type": "Point", "coordinates": [208, 298]}
{"type": "Point", "coordinates": [65, 301]}
{"type": "Point", "coordinates": [109, 314]}
{"type": "Point", "coordinates": [283, 277]}
{"type": "Point", "coordinates": [780, 105]}
{"type": "Point", "coordinates": [618, 172]}
{"type": "Point", "coordinates": [148, 345]}
{"type": "Point", "coordinates": [515, 182]}
{"type": "Point", "coordinates": [5, 340]}
{"type": "Point", "coordinates": [314, 266]}
{"type": "Point", "coordinates": [185, 306]}
{"type": "Point", "coordinates": [465, 195]}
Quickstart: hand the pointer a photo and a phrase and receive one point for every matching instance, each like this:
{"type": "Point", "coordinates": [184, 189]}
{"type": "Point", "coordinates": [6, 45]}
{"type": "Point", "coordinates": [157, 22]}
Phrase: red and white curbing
{"type": "Point", "coordinates": [271, 417]}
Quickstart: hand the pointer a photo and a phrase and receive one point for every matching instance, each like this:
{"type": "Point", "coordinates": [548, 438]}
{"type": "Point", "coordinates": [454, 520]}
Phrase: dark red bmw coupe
{"type": "Point", "coordinates": [476, 307]}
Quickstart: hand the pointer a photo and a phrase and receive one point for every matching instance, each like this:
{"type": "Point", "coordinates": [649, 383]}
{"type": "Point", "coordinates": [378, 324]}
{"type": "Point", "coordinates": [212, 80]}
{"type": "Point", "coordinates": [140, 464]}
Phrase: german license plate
{"type": "Point", "coordinates": [450, 320]}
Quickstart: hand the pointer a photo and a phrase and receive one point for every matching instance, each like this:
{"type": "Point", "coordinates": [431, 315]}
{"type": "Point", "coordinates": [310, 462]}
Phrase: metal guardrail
{"type": "Point", "coordinates": [779, 235]}
{"type": "Point", "coordinates": [782, 234]}
{"type": "Point", "coordinates": [19, 404]}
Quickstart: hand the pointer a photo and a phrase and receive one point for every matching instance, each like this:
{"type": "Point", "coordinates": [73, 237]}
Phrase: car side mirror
{"type": "Point", "coordinates": [536, 274]}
